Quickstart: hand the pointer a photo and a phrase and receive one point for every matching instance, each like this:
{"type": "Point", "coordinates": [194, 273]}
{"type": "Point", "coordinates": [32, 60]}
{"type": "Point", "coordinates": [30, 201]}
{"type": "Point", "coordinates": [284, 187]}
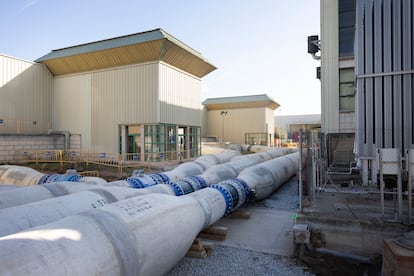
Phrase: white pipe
{"type": "Point", "coordinates": [195, 167]}
{"type": "Point", "coordinates": [265, 178]}
{"type": "Point", "coordinates": [18, 218]}
{"type": "Point", "coordinates": [231, 169]}
{"type": "Point", "coordinates": [10, 198]}
{"type": "Point", "coordinates": [19, 175]}
{"type": "Point", "coordinates": [4, 187]}
{"type": "Point", "coordinates": [138, 236]}
{"type": "Point", "coordinates": [25, 176]}
{"type": "Point", "coordinates": [144, 235]}
{"type": "Point", "coordinates": [200, 164]}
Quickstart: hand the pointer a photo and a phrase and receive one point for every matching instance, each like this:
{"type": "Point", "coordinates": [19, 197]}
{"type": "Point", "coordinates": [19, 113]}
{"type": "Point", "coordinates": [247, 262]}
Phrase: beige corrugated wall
{"type": "Point", "coordinates": [180, 97]}
{"type": "Point", "coordinates": [329, 66]}
{"type": "Point", "coordinates": [25, 92]}
{"type": "Point", "coordinates": [237, 122]}
{"type": "Point", "coordinates": [96, 103]}
{"type": "Point", "coordinates": [71, 108]}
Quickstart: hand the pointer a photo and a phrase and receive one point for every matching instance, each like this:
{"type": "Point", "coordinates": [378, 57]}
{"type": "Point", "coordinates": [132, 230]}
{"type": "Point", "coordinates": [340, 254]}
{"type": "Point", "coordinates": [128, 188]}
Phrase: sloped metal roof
{"type": "Point", "coordinates": [262, 100]}
{"type": "Point", "coordinates": [154, 45]}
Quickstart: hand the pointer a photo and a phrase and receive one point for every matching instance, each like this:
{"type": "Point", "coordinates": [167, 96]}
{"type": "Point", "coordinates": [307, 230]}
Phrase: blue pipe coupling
{"type": "Point", "coordinates": [48, 178]}
{"type": "Point", "coordinates": [235, 192]}
{"type": "Point", "coordinates": [187, 185]}
{"type": "Point", "coordinates": [147, 180]}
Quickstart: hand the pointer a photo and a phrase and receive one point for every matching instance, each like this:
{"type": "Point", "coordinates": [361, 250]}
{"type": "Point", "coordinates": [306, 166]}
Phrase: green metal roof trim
{"type": "Point", "coordinates": [238, 99]}
{"type": "Point", "coordinates": [115, 42]}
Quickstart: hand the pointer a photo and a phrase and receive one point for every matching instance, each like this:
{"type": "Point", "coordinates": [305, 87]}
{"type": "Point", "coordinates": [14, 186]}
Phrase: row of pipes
{"type": "Point", "coordinates": [143, 225]}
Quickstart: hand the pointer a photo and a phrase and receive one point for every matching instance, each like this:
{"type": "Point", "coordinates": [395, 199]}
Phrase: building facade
{"type": "Point", "coordinates": [26, 96]}
{"type": "Point", "coordinates": [240, 120]}
{"type": "Point", "coordinates": [367, 76]}
{"type": "Point", "coordinates": [138, 95]}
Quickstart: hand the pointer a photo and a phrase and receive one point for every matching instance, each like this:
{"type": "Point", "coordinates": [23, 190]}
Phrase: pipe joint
{"type": "Point", "coordinates": [235, 192]}
{"type": "Point", "coordinates": [197, 182]}
{"type": "Point", "coordinates": [48, 178]}
{"type": "Point", "coordinates": [187, 185]}
{"type": "Point", "coordinates": [147, 180]}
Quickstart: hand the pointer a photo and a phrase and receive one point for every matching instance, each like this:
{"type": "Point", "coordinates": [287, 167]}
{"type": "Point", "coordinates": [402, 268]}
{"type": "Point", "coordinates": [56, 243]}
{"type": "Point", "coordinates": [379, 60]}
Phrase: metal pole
{"type": "Point", "coordinates": [300, 171]}
{"type": "Point", "coordinates": [223, 113]}
{"type": "Point", "coordinates": [409, 185]}
{"type": "Point", "coordinates": [399, 189]}
{"type": "Point", "coordinates": [223, 128]}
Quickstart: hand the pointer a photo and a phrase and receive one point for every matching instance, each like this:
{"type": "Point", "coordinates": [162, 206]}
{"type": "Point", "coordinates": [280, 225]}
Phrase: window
{"type": "Point", "coordinates": [346, 27]}
{"type": "Point", "coordinates": [346, 89]}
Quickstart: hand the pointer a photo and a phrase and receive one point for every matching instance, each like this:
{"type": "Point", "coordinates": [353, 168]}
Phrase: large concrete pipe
{"type": "Point", "coordinates": [19, 175]}
{"type": "Point", "coordinates": [25, 176]}
{"type": "Point", "coordinates": [186, 169]}
{"type": "Point", "coordinates": [18, 218]}
{"type": "Point", "coordinates": [224, 171]}
{"type": "Point", "coordinates": [4, 187]}
{"type": "Point", "coordinates": [10, 198]}
{"type": "Point", "coordinates": [29, 215]}
{"type": "Point", "coordinates": [144, 235]}
{"type": "Point", "coordinates": [265, 178]}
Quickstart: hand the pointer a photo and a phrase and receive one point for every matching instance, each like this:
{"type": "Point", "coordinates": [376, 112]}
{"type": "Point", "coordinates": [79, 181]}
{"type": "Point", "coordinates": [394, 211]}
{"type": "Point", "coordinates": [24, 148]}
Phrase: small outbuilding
{"type": "Point", "coordinates": [241, 119]}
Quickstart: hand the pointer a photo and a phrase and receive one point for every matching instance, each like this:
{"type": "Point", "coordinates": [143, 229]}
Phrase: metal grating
{"type": "Point", "coordinates": [384, 76]}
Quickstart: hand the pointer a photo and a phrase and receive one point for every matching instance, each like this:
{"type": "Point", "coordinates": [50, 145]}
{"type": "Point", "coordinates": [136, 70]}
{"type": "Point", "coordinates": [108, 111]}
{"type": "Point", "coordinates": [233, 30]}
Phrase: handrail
{"type": "Point", "coordinates": [118, 160]}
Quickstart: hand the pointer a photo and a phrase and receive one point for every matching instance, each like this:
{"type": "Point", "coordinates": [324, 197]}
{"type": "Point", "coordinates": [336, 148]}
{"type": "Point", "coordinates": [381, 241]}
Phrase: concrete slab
{"type": "Point", "coordinates": [266, 231]}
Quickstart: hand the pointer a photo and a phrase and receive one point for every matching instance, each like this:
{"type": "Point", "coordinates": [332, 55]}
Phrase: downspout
{"type": "Point", "coordinates": [66, 136]}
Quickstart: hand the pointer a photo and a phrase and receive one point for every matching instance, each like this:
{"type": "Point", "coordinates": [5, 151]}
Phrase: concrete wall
{"type": "Point", "coordinates": [358, 237]}
{"type": "Point", "coordinates": [12, 147]}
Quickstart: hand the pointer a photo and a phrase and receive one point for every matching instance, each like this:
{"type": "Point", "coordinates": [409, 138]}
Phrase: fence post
{"type": "Point", "coordinates": [300, 171]}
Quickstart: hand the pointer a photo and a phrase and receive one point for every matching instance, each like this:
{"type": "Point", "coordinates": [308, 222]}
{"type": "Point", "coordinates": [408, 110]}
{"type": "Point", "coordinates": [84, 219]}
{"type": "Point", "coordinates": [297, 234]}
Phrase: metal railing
{"type": "Point", "coordinates": [41, 156]}
{"type": "Point", "coordinates": [111, 159]}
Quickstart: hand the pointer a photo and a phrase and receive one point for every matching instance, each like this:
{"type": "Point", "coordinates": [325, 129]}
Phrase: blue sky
{"type": "Point", "coordinates": [259, 46]}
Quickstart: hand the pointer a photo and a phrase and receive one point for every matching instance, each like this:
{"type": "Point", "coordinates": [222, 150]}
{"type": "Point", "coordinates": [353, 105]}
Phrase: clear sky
{"type": "Point", "coordinates": [259, 46]}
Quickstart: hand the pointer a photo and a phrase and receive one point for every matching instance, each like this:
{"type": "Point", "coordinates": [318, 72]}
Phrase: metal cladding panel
{"type": "Point", "coordinates": [236, 123]}
{"type": "Point", "coordinates": [329, 66]}
{"type": "Point", "coordinates": [179, 97]}
{"type": "Point", "coordinates": [122, 96]}
{"type": "Point", "coordinates": [25, 92]}
{"type": "Point", "coordinates": [385, 75]}
{"type": "Point", "coordinates": [71, 106]}
{"type": "Point", "coordinates": [96, 103]}
{"type": "Point", "coordinates": [270, 120]}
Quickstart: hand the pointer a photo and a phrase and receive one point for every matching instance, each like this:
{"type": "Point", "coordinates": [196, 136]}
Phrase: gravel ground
{"type": "Point", "coordinates": [285, 198]}
{"type": "Point", "coordinates": [234, 261]}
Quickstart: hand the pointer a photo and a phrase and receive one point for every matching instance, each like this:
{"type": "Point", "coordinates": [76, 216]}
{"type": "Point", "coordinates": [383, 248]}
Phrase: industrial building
{"type": "Point", "coordinates": [366, 74]}
{"type": "Point", "coordinates": [362, 168]}
{"type": "Point", "coordinates": [241, 119]}
{"type": "Point", "coordinates": [289, 126]}
{"type": "Point", "coordinates": [137, 95]}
